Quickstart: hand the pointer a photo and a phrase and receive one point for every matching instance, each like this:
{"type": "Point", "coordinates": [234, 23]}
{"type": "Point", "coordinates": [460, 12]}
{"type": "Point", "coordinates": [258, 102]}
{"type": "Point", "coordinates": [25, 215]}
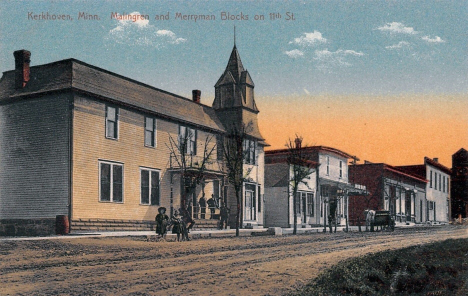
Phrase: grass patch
{"type": "Point", "coordinates": [434, 269]}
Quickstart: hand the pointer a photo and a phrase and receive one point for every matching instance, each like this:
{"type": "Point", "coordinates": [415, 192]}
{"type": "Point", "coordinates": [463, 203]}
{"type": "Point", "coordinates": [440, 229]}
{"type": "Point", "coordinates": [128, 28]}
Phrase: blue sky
{"type": "Point", "coordinates": [332, 47]}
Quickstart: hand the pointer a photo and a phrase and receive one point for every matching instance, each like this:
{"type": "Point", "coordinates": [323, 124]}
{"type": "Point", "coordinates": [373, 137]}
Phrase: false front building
{"type": "Point", "coordinates": [102, 149]}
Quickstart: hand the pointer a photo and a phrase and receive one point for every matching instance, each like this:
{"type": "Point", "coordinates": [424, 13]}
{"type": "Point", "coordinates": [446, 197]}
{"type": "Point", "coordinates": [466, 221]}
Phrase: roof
{"type": "Point", "coordinates": [75, 75]}
{"type": "Point", "coordinates": [392, 169]}
{"type": "Point", "coordinates": [420, 169]}
{"type": "Point", "coordinates": [312, 149]}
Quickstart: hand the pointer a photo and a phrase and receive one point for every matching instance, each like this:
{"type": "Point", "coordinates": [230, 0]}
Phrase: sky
{"type": "Point", "coordinates": [386, 81]}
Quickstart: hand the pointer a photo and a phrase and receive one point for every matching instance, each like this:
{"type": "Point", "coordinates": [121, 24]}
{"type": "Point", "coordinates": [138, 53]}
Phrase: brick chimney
{"type": "Point", "coordinates": [196, 96]}
{"type": "Point", "coordinates": [22, 60]}
{"type": "Point", "coordinates": [436, 159]}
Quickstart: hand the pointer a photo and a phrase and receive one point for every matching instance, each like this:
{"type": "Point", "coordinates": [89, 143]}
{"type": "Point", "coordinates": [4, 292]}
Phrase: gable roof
{"type": "Point", "coordinates": [312, 149]}
{"type": "Point", "coordinates": [75, 75]}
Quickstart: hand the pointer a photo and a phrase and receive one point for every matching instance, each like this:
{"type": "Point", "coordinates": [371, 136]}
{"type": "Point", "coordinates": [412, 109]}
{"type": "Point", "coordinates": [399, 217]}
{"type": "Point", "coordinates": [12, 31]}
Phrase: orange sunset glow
{"type": "Point", "coordinates": [397, 129]}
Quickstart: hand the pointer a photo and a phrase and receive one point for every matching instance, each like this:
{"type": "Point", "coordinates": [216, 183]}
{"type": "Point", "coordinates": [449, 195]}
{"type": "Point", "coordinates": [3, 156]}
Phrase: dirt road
{"type": "Point", "coordinates": [223, 266]}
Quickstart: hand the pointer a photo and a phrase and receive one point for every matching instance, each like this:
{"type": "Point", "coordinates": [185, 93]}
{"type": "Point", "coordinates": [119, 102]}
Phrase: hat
{"type": "Point", "coordinates": [161, 209]}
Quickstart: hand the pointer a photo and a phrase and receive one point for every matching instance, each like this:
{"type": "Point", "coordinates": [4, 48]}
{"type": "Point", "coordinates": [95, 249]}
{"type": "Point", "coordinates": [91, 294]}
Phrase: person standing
{"type": "Point", "coordinates": [176, 222]}
{"type": "Point", "coordinates": [224, 213]}
{"type": "Point", "coordinates": [202, 204]}
{"type": "Point", "coordinates": [212, 205]}
{"type": "Point", "coordinates": [161, 222]}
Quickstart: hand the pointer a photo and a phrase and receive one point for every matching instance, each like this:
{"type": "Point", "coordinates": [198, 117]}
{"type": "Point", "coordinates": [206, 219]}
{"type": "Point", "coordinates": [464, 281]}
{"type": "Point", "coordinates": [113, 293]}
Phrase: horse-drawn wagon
{"type": "Point", "coordinates": [379, 218]}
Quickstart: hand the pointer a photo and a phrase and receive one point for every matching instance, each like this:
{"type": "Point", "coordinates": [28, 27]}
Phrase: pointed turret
{"type": "Point", "coordinates": [234, 96]}
{"type": "Point", "coordinates": [235, 87]}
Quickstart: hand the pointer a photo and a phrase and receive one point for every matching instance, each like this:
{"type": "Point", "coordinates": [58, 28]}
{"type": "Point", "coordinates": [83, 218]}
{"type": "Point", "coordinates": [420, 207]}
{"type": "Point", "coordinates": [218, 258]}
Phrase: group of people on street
{"type": "Point", "coordinates": [182, 222]}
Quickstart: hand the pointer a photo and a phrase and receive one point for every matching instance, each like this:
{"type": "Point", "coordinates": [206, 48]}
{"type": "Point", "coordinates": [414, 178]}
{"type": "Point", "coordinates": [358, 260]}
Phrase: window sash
{"type": "Point", "coordinates": [112, 122]}
{"type": "Point", "coordinates": [150, 193]}
{"type": "Point", "coordinates": [150, 132]}
{"type": "Point", "coordinates": [310, 205]}
{"type": "Point", "coordinates": [111, 182]}
{"type": "Point", "coordinates": [187, 140]}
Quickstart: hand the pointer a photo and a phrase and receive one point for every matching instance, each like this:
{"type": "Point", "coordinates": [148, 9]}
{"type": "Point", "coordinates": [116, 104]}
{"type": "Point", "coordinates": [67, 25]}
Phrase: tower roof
{"type": "Point", "coordinates": [235, 64]}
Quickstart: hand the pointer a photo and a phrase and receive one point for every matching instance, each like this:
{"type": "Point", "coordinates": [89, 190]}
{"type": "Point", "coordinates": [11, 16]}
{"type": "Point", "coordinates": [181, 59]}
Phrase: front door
{"type": "Point", "coordinates": [304, 208]}
{"type": "Point", "coordinates": [249, 202]}
{"type": "Point", "coordinates": [408, 206]}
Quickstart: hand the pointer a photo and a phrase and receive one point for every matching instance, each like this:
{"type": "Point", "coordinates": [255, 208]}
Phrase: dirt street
{"type": "Point", "coordinates": [224, 266]}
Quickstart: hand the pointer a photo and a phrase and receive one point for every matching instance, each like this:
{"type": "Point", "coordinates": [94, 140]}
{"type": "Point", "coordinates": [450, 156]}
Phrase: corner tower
{"type": "Point", "coordinates": [234, 100]}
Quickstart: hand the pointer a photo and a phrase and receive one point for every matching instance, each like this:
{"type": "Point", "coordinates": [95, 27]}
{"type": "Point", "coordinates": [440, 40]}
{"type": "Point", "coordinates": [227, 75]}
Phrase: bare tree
{"type": "Point", "coordinates": [235, 152]}
{"type": "Point", "coordinates": [192, 167]}
{"type": "Point", "coordinates": [300, 165]}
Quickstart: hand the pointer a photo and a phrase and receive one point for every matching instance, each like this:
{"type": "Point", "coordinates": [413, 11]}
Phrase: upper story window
{"type": "Point", "coordinates": [435, 180]}
{"type": "Point", "coordinates": [430, 180]}
{"type": "Point", "coordinates": [341, 169]}
{"type": "Point", "coordinates": [440, 182]}
{"type": "Point", "coordinates": [250, 151]}
{"type": "Point", "coordinates": [111, 181]}
{"type": "Point", "coordinates": [187, 140]}
{"type": "Point", "coordinates": [112, 122]}
{"type": "Point", "coordinates": [219, 147]}
{"type": "Point", "coordinates": [328, 165]}
{"type": "Point", "coordinates": [443, 185]}
{"type": "Point", "coordinates": [150, 132]}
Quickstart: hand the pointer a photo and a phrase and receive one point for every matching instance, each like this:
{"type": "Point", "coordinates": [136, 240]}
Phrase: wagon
{"type": "Point", "coordinates": [384, 220]}
{"type": "Point", "coordinates": [379, 218]}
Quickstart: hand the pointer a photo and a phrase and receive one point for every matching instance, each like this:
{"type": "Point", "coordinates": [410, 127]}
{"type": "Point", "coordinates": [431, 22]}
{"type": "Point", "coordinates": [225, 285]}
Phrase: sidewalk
{"type": "Point", "coordinates": [192, 234]}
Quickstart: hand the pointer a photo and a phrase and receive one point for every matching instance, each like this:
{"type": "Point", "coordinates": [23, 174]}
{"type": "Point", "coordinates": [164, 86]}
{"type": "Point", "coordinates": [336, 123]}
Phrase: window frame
{"type": "Point", "coordinates": [150, 188]}
{"type": "Point", "coordinates": [111, 181]}
{"type": "Point", "coordinates": [115, 122]}
{"type": "Point", "coordinates": [153, 132]}
{"type": "Point", "coordinates": [191, 145]}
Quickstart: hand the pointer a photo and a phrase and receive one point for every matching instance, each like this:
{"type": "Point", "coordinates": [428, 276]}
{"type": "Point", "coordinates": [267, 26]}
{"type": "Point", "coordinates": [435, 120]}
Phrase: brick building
{"type": "Point", "coordinates": [80, 141]}
{"type": "Point", "coordinates": [390, 189]}
{"type": "Point", "coordinates": [459, 184]}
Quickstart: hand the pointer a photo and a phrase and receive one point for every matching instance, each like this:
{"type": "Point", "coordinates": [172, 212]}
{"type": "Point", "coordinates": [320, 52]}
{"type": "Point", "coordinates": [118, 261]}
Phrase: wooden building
{"type": "Point", "coordinates": [437, 206]}
{"type": "Point", "coordinates": [80, 141]}
{"type": "Point", "coordinates": [329, 185]}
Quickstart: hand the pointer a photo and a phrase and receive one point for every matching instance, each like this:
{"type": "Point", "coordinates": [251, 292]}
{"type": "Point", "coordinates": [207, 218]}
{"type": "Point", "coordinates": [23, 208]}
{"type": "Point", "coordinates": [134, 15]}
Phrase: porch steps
{"type": "Point", "coordinates": [111, 225]}
{"type": "Point", "coordinates": [205, 224]}
{"type": "Point", "coordinates": [131, 225]}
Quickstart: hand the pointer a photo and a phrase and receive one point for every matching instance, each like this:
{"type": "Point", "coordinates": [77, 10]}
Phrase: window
{"type": "Point", "coordinates": [328, 165]}
{"type": "Point", "coordinates": [310, 204]}
{"type": "Point", "coordinates": [440, 182]}
{"type": "Point", "coordinates": [249, 151]}
{"type": "Point", "coordinates": [150, 132]}
{"type": "Point", "coordinates": [443, 185]}
{"type": "Point", "coordinates": [298, 203]}
{"type": "Point", "coordinates": [435, 180]}
{"type": "Point", "coordinates": [341, 169]}
{"type": "Point", "coordinates": [430, 180]}
{"type": "Point", "coordinates": [219, 147]}
{"type": "Point", "coordinates": [111, 182]}
{"type": "Point", "coordinates": [150, 187]}
{"type": "Point", "coordinates": [112, 115]}
{"type": "Point", "coordinates": [259, 208]}
{"type": "Point", "coordinates": [187, 140]}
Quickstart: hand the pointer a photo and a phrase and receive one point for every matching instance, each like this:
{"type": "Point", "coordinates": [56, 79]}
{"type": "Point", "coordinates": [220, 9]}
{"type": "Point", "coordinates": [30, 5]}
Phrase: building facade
{"type": "Point", "coordinates": [279, 201]}
{"type": "Point", "coordinates": [102, 149]}
{"type": "Point", "coordinates": [437, 207]}
{"type": "Point", "coordinates": [459, 188]}
{"type": "Point", "coordinates": [389, 189]}
{"type": "Point", "coordinates": [331, 184]}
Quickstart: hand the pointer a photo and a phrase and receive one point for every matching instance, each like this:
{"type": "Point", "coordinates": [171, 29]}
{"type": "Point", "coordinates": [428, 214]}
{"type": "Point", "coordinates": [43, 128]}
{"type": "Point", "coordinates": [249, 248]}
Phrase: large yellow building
{"type": "Point", "coordinates": [80, 141]}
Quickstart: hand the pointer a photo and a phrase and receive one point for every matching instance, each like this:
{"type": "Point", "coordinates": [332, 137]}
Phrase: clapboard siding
{"type": "Point", "coordinates": [34, 157]}
{"type": "Point", "coordinates": [90, 145]}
